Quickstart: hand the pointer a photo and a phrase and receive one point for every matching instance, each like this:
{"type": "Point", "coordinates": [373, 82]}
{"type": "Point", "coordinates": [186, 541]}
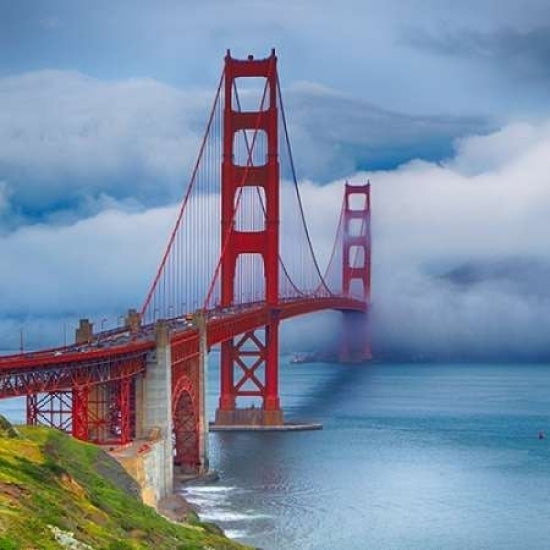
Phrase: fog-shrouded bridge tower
{"type": "Point", "coordinates": [356, 272]}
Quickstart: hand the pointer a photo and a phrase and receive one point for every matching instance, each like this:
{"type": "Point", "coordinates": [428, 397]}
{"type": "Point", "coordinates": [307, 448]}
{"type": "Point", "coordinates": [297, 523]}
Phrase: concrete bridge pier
{"type": "Point", "coordinates": [154, 414]}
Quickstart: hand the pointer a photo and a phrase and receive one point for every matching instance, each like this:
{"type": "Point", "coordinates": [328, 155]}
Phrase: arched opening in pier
{"type": "Point", "coordinates": [186, 433]}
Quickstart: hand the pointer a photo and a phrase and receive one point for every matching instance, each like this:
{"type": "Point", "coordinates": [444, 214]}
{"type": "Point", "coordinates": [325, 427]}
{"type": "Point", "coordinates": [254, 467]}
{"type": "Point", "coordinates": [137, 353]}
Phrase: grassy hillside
{"type": "Point", "coordinates": [56, 492]}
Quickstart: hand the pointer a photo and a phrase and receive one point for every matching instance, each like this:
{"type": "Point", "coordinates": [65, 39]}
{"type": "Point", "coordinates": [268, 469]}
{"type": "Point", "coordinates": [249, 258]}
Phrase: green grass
{"type": "Point", "coordinates": [49, 479]}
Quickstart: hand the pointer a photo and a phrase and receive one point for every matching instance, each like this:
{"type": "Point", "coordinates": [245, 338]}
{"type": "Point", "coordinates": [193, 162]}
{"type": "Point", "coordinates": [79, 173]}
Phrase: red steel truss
{"type": "Point", "coordinates": [86, 394]}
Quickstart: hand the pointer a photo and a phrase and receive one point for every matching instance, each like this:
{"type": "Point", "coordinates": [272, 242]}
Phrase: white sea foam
{"type": "Point", "coordinates": [227, 515]}
{"type": "Point", "coordinates": [235, 533]}
{"type": "Point", "coordinates": [208, 489]}
{"type": "Point", "coordinates": [207, 497]}
{"type": "Point", "coordinates": [214, 505]}
{"type": "Point", "coordinates": [201, 502]}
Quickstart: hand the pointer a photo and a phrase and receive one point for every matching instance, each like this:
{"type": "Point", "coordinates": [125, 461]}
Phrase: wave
{"type": "Point", "coordinates": [208, 489]}
{"type": "Point", "coordinates": [235, 533]}
{"type": "Point", "coordinates": [226, 515]}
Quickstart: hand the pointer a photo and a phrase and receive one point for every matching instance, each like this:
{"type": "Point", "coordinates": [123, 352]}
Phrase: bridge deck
{"type": "Point", "coordinates": [119, 353]}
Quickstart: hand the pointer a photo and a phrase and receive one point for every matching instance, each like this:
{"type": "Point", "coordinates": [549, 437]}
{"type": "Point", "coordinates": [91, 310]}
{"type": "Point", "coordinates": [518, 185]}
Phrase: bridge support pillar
{"type": "Point", "coordinates": [272, 408]}
{"type": "Point", "coordinates": [356, 267]}
{"type": "Point", "coordinates": [250, 362]}
{"type": "Point", "coordinates": [156, 408]}
{"type": "Point", "coordinates": [139, 413]}
{"type": "Point", "coordinates": [98, 413]}
{"type": "Point", "coordinates": [80, 413]}
{"type": "Point", "coordinates": [355, 341]}
{"type": "Point", "coordinates": [256, 358]}
{"type": "Point", "coordinates": [203, 460]}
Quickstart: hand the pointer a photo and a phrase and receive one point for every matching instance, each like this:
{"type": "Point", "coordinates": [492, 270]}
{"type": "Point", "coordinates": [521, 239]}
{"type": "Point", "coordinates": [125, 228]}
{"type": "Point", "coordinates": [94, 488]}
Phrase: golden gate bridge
{"type": "Point", "coordinates": [236, 265]}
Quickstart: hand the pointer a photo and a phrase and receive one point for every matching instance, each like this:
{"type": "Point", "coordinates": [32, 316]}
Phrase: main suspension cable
{"type": "Point", "coordinates": [295, 180]}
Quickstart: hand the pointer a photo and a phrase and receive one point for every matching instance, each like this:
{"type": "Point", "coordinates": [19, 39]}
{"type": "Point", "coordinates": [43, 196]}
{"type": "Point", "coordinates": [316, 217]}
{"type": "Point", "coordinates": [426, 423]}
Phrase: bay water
{"type": "Point", "coordinates": [411, 456]}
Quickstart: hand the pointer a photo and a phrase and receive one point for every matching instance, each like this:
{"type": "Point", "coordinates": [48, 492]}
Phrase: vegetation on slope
{"type": "Point", "coordinates": [56, 492]}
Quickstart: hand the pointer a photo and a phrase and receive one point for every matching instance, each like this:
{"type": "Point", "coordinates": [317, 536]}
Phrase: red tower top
{"type": "Point", "coordinates": [235, 176]}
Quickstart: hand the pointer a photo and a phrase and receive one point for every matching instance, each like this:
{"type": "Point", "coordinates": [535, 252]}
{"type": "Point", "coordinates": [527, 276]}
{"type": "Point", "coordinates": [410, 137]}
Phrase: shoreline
{"type": "Point", "coordinates": [177, 508]}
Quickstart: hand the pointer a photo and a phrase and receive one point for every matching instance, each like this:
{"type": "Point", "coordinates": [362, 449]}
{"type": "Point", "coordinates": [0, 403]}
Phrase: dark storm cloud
{"type": "Point", "coordinates": [517, 52]}
{"type": "Point", "coordinates": [337, 134]}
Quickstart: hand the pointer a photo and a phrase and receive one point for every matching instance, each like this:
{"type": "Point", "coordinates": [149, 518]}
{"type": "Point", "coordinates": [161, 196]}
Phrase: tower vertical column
{"type": "Point", "coordinates": [203, 451]}
{"type": "Point", "coordinates": [261, 349]}
{"type": "Point", "coordinates": [356, 271]}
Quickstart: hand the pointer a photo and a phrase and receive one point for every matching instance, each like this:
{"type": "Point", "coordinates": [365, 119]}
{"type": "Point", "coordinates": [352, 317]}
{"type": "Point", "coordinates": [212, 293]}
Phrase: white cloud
{"type": "Point", "coordinates": [68, 141]}
{"type": "Point", "coordinates": [489, 210]}
{"type": "Point", "coordinates": [65, 136]}
{"type": "Point", "coordinates": [452, 244]}
{"type": "Point", "coordinates": [485, 153]}
{"type": "Point", "coordinates": [461, 256]}
{"type": "Point", "coordinates": [99, 264]}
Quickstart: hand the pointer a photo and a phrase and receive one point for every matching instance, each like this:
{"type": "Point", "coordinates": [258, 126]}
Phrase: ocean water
{"type": "Point", "coordinates": [412, 456]}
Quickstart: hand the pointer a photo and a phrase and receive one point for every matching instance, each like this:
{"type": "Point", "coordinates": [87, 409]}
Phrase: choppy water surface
{"type": "Point", "coordinates": [411, 456]}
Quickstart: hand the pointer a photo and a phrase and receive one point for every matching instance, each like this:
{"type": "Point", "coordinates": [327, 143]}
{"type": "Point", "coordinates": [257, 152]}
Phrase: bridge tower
{"type": "Point", "coordinates": [250, 363]}
{"type": "Point", "coordinates": [356, 271]}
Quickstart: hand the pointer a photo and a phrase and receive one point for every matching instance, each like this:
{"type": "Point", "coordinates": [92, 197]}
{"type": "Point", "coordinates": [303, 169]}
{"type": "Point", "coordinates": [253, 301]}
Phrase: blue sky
{"type": "Point", "coordinates": [102, 106]}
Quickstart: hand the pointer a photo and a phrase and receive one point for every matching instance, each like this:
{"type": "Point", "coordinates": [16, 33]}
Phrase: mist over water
{"type": "Point", "coordinates": [411, 456]}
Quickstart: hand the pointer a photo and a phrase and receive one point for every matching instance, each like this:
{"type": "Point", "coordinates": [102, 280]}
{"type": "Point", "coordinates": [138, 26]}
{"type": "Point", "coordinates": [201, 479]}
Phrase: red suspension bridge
{"type": "Point", "coordinates": [230, 283]}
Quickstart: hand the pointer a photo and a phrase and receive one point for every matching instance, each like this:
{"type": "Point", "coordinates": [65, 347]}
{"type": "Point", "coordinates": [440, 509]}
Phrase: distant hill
{"type": "Point", "coordinates": [57, 492]}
